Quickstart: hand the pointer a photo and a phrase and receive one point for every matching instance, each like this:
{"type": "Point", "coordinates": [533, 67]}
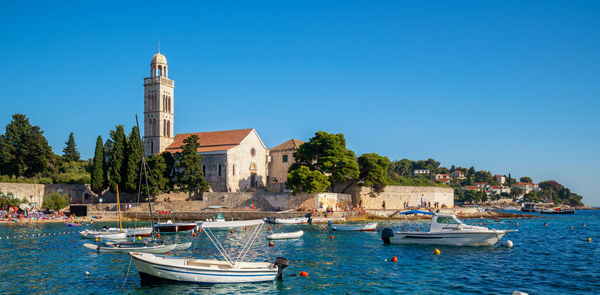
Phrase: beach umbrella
{"type": "Point", "coordinates": [24, 206]}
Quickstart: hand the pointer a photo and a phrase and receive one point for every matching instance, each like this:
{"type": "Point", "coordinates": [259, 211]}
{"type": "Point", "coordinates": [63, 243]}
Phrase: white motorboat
{"type": "Point", "coordinates": [290, 235]}
{"type": "Point", "coordinates": [446, 229]}
{"type": "Point", "coordinates": [131, 247]}
{"type": "Point", "coordinates": [353, 227]}
{"type": "Point", "coordinates": [227, 225]}
{"type": "Point", "coordinates": [152, 267]}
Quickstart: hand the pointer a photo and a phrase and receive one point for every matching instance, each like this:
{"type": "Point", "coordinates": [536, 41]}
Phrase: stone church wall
{"type": "Point", "coordinates": [212, 163]}
{"type": "Point", "coordinates": [245, 163]}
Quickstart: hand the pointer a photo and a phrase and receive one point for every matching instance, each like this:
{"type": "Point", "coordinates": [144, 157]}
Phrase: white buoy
{"type": "Point", "coordinates": [519, 293]}
{"type": "Point", "coordinates": [508, 244]}
{"type": "Point", "coordinates": [87, 273]}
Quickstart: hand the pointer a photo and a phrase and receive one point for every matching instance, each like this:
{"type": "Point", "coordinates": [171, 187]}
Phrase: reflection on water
{"type": "Point", "coordinates": [553, 259]}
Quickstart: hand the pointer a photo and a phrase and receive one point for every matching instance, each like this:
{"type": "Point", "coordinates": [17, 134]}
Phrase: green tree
{"type": "Point", "coordinates": [452, 169]}
{"type": "Point", "coordinates": [169, 172]}
{"type": "Point", "coordinates": [472, 170]}
{"type": "Point", "coordinates": [117, 162]}
{"type": "Point", "coordinates": [525, 179]}
{"type": "Point", "coordinates": [327, 153]}
{"type": "Point", "coordinates": [157, 181]}
{"type": "Point", "coordinates": [134, 159]}
{"type": "Point", "coordinates": [97, 179]}
{"type": "Point", "coordinates": [24, 151]}
{"type": "Point", "coordinates": [373, 171]}
{"type": "Point", "coordinates": [8, 199]}
{"type": "Point", "coordinates": [70, 153]}
{"type": "Point", "coordinates": [402, 167]}
{"type": "Point", "coordinates": [55, 201]}
{"type": "Point", "coordinates": [302, 179]}
{"type": "Point", "coordinates": [190, 177]}
{"type": "Point", "coordinates": [509, 180]}
{"type": "Point", "coordinates": [515, 192]}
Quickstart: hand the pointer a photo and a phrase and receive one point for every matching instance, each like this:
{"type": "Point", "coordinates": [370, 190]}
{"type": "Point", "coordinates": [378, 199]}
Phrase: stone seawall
{"type": "Point", "coordinates": [396, 196]}
{"type": "Point", "coordinates": [34, 193]}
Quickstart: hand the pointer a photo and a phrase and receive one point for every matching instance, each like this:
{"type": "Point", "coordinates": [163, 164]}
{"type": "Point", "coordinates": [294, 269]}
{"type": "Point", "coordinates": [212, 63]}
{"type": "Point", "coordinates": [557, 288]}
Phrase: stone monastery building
{"type": "Point", "coordinates": [234, 160]}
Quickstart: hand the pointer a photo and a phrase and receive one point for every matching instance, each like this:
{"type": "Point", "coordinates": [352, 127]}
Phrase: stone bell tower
{"type": "Point", "coordinates": [158, 107]}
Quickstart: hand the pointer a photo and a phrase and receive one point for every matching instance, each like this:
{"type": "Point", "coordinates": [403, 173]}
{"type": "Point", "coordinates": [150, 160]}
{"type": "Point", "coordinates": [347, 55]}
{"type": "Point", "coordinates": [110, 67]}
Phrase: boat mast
{"type": "Point", "coordinates": [119, 209]}
{"type": "Point", "coordinates": [145, 177]}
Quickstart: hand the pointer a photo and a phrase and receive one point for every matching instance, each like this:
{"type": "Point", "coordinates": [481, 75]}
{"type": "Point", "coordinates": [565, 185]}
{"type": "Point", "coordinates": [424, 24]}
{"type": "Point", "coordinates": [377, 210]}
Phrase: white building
{"type": "Point", "coordinates": [420, 171]}
{"type": "Point", "coordinates": [527, 187]}
{"type": "Point", "coordinates": [500, 179]}
{"type": "Point", "coordinates": [457, 174]}
{"type": "Point", "coordinates": [159, 107]}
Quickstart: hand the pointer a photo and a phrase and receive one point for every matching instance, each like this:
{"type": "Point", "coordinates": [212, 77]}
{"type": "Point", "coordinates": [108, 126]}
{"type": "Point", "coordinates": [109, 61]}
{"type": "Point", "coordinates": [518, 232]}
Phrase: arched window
{"type": "Point", "coordinates": [219, 169]}
{"type": "Point", "coordinates": [169, 128]}
{"type": "Point", "coordinates": [169, 100]}
{"type": "Point", "coordinates": [152, 147]}
{"type": "Point", "coordinates": [149, 132]}
{"type": "Point", "coordinates": [204, 170]}
{"type": "Point", "coordinates": [164, 127]}
{"type": "Point", "coordinates": [233, 169]}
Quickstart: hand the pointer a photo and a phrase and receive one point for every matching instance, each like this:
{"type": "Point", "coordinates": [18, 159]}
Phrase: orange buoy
{"type": "Point", "coordinates": [231, 231]}
{"type": "Point", "coordinates": [271, 244]}
{"type": "Point", "coordinates": [517, 224]}
{"type": "Point", "coordinates": [193, 234]}
{"type": "Point", "coordinates": [331, 237]}
{"type": "Point", "coordinates": [158, 235]}
{"type": "Point", "coordinates": [418, 229]}
{"type": "Point", "coordinates": [269, 227]}
{"type": "Point", "coordinates": [571, 227]}
{"type": "Point", "coordinates": [96, 240]}
{"type": "Point", "coordinates": [394, 259]}
{"type": "Point", "coordinates": [303, 274]}
{"type": "Point", "coordinates": [245, 227]}
{"type": "Point", "coordinates": [199, 230]}
{"type": "Point", "coordinates": [278, 227]}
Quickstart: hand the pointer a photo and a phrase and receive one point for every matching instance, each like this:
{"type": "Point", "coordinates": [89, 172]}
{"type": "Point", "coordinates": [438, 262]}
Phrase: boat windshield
{"type": "Point", "coordinates": [447, 220]}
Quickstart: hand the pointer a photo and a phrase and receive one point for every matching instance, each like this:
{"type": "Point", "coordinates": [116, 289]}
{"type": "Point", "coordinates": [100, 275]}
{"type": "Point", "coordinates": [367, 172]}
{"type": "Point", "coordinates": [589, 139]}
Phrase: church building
{"type": "Point", "coordinates": [234, 160]}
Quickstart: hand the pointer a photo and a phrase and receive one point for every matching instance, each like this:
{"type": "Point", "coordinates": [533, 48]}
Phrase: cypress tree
{"type": "Point", "coordinates": [97, 181]}
{"type": "Point", "coordinates": [116, 169]}
{"type": "Point", "coordinates": [70, 152]}
{"type": "Point", "coordinates": [190, 176]}
{"type": "Point", "coordinates": [134, 158]}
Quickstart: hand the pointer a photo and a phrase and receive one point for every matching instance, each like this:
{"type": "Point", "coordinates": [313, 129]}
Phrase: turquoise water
{"type": "Point", "coordinates": [544, 260]}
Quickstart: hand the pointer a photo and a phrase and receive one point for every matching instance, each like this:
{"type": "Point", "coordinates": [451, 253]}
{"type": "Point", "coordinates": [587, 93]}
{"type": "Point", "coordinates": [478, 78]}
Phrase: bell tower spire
{"type": "Point", "coordinates": [158, 106]}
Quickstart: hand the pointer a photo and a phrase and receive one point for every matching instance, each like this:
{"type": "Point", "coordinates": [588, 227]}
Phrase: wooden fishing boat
{"type": "Point", "coordinates": [170, 227]}
{"type": "Point", "coordinates": [289, 235]}
{"type": "Point", "coordinates": [353, 227]}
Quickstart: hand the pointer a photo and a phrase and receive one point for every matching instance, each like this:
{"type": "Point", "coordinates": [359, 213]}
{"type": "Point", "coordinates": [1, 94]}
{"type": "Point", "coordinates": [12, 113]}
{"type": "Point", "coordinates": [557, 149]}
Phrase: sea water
{"type": "Point", "coordinates": [545, 260]}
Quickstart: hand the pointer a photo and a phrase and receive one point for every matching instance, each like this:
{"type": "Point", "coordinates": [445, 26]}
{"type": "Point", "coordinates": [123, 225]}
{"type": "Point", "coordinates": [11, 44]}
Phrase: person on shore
{"type": "Point", "coordinates": [383, 205]}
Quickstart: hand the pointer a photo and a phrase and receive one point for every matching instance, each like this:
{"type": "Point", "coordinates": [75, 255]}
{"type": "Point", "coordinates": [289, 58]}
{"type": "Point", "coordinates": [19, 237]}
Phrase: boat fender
{"type": "Point", "coordinates": [386, 234]}
{"type": "Point", "coordinates": [281, 264]}
{"type": "Point", "coordinates": [508, 244]}
{"type": "Point", "coordinates": [303, 274]}
{"type": "Point", "coordinates": [271, 244]}
{"type": "Point", "coordinates": [436, 251]}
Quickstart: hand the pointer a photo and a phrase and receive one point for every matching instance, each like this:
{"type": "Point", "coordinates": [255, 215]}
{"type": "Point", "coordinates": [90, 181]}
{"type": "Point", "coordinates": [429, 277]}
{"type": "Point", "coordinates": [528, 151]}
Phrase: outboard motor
{"type": "Point", "coordinates": [386, 234]}
{"type": "Point", "coordinates": [281, 263]}
{"type": "Point", "coordinates": [309, 215]}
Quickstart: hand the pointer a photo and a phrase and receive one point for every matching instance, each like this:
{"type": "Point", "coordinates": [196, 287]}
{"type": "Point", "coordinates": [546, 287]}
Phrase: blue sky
{"type": "Point", "coordinates": [506, 86]}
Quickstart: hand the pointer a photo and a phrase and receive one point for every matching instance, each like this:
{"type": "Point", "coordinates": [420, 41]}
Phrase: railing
{"type": "Point", "coordinates": [161, 80]}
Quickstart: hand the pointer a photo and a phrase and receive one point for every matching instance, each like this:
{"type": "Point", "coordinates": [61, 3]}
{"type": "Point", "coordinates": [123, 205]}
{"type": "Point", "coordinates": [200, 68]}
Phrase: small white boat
{"type": "Point", "coordinates": [290, 235]}
{"type": "Point", "coordinates": [108, 234]}
{"type": "Point", "coordinates": [212, 271]}
{"type": "Point", "coordinates": [131, 247]}
{"type": "Point", "coordinates": [227, 225]}
{"type": "Point", "coordinates": [139, 232]}
{"type": "Point", "coordinates": [353, 227]}
{"type": "Point", "coordinates": [446, 229]}
{"type": "Point", "coordinates": [298, 220]}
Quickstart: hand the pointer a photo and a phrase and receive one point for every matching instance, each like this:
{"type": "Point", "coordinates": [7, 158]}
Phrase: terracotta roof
{"type": "Point", "coordinates": [291, 144]}
{"type": "Point", "coordinates": [472, 187]}
{"type": "Point", "coordinates": [211, 141]}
